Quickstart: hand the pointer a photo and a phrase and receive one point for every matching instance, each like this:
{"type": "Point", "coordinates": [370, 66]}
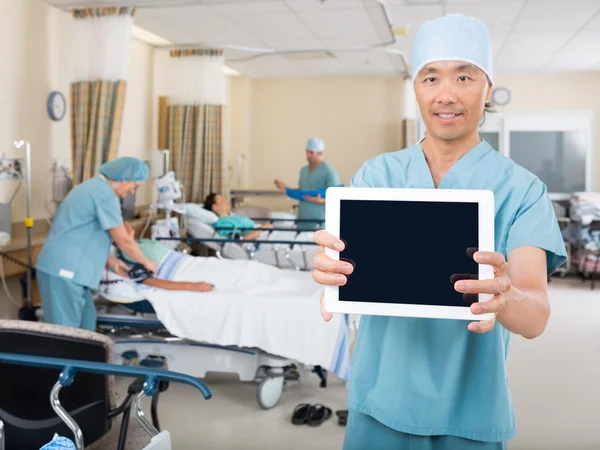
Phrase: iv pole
{"type": "Point", "coordinates": [28, 221]}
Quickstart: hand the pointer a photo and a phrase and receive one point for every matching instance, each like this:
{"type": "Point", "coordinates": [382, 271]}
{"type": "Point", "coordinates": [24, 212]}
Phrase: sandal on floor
{"type": "Point", "coordinates": [320, 414]}
{"type": "Point", "coordinates": [302, 413]}
{"type": "Point", "coordinates": [342, 417]}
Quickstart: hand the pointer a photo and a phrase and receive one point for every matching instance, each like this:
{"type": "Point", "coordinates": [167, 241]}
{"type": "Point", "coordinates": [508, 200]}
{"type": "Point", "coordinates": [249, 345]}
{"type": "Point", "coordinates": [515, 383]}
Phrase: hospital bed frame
{"type": "Point", "coordinates": [144, 337]}
{"type": "Point", "coordinates": [251, 251]}
{"type": "Point", "coordinates": [69, 368]}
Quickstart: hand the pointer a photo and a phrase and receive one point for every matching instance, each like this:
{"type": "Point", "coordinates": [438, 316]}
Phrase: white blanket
{"type": "Point", "coordinates": [254, 305]}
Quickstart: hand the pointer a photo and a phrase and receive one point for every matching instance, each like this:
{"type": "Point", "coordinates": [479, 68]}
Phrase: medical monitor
{"type": "Point", "coordinates": [408, 247]}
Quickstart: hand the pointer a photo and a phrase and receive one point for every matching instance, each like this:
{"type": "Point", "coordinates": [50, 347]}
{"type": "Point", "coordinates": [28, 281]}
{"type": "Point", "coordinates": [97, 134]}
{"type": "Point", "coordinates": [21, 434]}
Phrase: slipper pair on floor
{"type": "Point", "coordinates": [312, 415]}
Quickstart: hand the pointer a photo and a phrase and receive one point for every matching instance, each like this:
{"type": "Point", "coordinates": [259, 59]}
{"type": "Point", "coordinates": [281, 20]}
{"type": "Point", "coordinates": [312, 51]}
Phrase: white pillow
{"type": "Point", "coordinates": [197, 211]}
{"type": "Point", "coordinates": [283, 215]}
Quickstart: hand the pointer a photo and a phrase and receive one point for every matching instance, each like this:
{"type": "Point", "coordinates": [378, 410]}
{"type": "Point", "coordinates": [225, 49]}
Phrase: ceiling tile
{"type": "Point", "coordinates": [328, 5]}
{"type": "Point", "coordinates": [594, 23]}
{"type": "Point", "coordinates": [497, 16]}
{"type": "Point", "coordinates": [555, 16]}
{"type": "Point", "coordinates": [277, 30]}
{"type": "Point", "coordinates": [343, 27]}
{"type": "Point", "coordinates": [413, 16]}
{"type": "Point", "coordinates": [529, 51]}
{"type": "Point", "coordinates": [580, 54]}
{"type": "Point", "coordinates": [254, 7]}
{"type": "Point", "coordinates": [161, 29]}
{"type": "Point", "coordinates": [497, 40]}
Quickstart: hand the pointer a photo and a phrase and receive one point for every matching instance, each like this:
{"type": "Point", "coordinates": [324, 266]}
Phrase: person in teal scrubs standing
{"type": "Point", "coordinates": [315, 176]}
{"type": "Point", "coordinates": [78, 243]}
{"type": "Point", "coordinates": [424, 384]}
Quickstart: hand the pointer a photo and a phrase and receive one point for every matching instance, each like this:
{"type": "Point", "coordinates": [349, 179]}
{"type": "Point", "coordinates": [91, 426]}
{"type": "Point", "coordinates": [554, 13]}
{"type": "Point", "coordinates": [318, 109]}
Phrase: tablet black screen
{"type": "Point", "coordinates": [408, 251]}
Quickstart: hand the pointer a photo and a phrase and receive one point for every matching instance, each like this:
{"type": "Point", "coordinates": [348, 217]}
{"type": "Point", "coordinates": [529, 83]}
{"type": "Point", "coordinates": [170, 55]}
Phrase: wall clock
{"type": "Point", "coordinates": [57, 105]}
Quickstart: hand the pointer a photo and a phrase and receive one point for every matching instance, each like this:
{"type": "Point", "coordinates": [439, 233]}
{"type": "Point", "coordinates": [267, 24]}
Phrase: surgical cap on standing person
{"type": "Point", "coordinates": [454, 37]}
{"type": "Point", "coordinates": [125, 169]}
{"type": "Point", "coordinates": [315, 144]}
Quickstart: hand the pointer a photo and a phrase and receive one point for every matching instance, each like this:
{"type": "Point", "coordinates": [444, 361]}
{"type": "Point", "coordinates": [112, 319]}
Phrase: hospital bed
{"type": "Point", "coordinates": [266, 335]}
{"type": "Point", "coordinates": [283, 246]}
{"type": "Point", "coordinates": [33, 356]}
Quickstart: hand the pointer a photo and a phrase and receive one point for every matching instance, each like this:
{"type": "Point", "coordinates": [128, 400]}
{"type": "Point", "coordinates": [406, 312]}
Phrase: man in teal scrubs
{"type": "Point", "coordinates": [424, 384]}
{"type": "Point", "coordinates": [78, 243]}
{"type": "Point", "coordinates": [315, 176]}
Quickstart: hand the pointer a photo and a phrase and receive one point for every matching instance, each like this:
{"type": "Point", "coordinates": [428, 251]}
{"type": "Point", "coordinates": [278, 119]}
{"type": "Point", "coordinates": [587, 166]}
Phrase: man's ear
{"type": "Point", "coordinates": [488, 94]}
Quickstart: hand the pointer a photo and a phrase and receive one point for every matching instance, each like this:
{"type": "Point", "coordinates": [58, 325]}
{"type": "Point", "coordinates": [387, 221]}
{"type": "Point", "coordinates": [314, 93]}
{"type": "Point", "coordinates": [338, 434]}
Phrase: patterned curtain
{"type": "Point", "coordinates": [101, 55]}
{"type": "Point", "coordinates": [195, 134]}
{"type": "Point", "coordinates": [195, 137]}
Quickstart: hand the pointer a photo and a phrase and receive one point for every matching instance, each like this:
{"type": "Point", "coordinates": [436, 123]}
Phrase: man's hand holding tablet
{"type": "Point", "coordinates": [331, 272]}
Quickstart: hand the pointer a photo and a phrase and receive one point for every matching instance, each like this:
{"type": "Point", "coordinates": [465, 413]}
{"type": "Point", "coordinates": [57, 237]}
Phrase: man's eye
{"type": "Point", "coordinates": [463, 78]}
{"type": "Point", "coordinates": [430, 80]}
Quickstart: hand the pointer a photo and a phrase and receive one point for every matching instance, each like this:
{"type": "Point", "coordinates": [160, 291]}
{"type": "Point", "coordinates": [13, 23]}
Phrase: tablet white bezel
{"type": "Point", "coordinates": [485, 200]}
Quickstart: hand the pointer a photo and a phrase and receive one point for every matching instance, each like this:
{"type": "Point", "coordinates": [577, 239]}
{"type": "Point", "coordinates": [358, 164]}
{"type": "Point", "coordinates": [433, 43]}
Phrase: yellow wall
{"type": "Point", "coordinates": [556, 92]}
{"type": "Point", "coordinates": [271, 120]}
{"type": "Point", "coordinates": [36, 59]}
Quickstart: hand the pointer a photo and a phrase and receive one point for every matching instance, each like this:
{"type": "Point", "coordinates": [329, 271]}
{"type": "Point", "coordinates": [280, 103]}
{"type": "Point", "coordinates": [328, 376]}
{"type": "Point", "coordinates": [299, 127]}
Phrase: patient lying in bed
{"type": "Point", "coordinates": [229, 224]}
{"type": "Point", "coordinates": [207, 274]}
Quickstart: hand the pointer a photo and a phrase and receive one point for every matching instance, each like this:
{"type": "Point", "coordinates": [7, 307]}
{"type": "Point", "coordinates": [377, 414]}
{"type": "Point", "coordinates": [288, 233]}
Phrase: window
{"type": "Point", "coordinates": [557, 146]}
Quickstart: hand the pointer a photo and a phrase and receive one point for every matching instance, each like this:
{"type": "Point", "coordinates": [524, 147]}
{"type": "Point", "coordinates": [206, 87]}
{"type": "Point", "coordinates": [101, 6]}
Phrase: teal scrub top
{"type": "Point", "coordinates": [433, 376]}
{"type": "Point", "coordinates": [229, 222]}
{"type": "Point", "coordinates": [78, 243]}
{"type": "Point", "coordinates": [324, 176]}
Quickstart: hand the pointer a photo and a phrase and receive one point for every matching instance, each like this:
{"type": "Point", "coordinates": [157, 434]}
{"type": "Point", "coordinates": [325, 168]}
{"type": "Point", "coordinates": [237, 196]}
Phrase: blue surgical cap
{"type": "Point", "coordinates": [454, 37]}
{"type": "Point", "coordinates": [315, 144]}
{"type": "Point", "coordinates": [125, 169]}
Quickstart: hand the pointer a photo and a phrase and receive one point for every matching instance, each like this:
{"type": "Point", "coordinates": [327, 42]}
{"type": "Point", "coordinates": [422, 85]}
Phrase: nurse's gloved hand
{"type": "Point", "coordinates": [500, 287]}
{"type": "Point", "coordinates": [328, 271]}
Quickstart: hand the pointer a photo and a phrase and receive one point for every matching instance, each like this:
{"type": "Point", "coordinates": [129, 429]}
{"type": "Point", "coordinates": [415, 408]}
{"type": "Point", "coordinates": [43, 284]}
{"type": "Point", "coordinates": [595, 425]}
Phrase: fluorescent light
{"type": "Point", "coordinates": [230, 71]}
{"type": "Point", "coordinates": [157, 41]}
{"type": "Point", "coordinates": [149, 38]}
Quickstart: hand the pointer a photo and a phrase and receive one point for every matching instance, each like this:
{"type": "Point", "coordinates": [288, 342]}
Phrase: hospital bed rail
{"type": "Point", "coordinates": [251, 252]}
{"type": "Point", "coordinates": [70, 367]}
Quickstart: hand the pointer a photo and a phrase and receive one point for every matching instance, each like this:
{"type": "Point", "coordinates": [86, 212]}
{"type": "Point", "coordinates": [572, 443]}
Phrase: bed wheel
{"type": "Point", "coordinates": [269, 391]}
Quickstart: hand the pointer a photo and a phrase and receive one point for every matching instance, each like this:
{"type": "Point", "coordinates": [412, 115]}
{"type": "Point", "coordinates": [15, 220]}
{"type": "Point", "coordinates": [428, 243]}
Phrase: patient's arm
{"type": "Point", "coordinates": [178, 285]}
{"type": "Point", "coordinates": [252, 235]}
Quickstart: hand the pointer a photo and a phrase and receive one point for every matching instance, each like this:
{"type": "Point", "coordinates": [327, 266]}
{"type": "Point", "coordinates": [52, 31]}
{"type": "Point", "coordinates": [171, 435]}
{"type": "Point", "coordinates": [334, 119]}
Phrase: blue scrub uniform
{"type": "Point", "coordinates": [414, 380]}
{"type": "Point", "coordinates": [323, 177]}
{"type": "Point", "coordinates": [75, 252]}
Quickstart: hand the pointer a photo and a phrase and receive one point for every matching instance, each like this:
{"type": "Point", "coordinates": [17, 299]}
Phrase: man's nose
{"type": "Point", "coordinates": [446, 93]}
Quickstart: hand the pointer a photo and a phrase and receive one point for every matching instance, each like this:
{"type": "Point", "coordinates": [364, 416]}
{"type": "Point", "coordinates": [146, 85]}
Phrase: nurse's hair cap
{"type": "Point", "coordinates": [454, 37]}
{"type": "Point", "coordinates": [125, 168]}
{"type": "Point", "coordinates": [315, 144]}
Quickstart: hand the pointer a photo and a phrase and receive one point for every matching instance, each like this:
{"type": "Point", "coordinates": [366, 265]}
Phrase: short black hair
{"type": "Point", "coordinates": [488, 108]}
{"type": "Point", "coordinates": [210, 201]}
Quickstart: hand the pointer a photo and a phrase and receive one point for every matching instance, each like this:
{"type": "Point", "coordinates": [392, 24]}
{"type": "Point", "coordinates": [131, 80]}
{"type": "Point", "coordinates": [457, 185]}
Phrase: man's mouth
{"type": "Point", "coordinates": [448, 117]}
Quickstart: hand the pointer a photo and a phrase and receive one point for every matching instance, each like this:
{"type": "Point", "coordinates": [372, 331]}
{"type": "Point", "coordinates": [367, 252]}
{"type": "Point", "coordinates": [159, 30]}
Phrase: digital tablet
{"type": "Point", "coordinates": [408, 247]}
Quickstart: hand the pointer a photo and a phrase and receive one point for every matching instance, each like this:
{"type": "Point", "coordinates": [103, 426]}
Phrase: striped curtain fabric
{"type": "Point", "coordinates": [96, 118]}
{"type": "Point", "coordinates": [195, 139]}
{"type": "Point", "coordinates": [101, 50]}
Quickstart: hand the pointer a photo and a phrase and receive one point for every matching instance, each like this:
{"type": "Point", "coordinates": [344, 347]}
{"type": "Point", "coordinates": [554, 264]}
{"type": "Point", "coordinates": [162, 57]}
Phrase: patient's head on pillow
{"type": "Point", "coordinates": [218, 204]}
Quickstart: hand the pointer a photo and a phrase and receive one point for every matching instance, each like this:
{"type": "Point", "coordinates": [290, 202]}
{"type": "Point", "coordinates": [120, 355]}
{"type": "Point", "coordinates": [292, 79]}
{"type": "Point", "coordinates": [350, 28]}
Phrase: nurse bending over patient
{"type": "Point", "coordinates": [78, 243]}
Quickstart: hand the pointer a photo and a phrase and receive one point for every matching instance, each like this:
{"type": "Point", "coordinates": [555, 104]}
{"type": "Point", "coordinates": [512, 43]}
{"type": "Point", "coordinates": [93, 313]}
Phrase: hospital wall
{"type": "Point", "coordinates": [556, 92]}
{"type": "Point", "coordinates": [35, 49]}
{"type": "Point", "coordinates": [358, 118]}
